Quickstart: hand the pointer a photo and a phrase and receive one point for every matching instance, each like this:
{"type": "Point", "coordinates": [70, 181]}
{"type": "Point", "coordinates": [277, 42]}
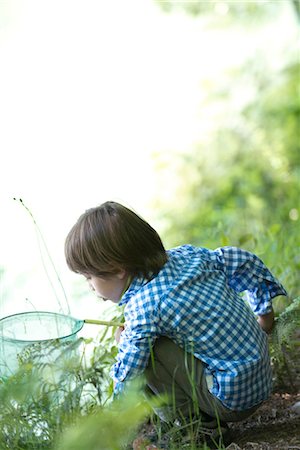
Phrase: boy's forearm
{"type": "Point", "coordinates": [266, 321]}
{"type": "Point", "coordinates": [118, 333]}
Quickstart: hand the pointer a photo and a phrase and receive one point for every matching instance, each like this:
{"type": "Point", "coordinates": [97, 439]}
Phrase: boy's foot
{"type": "Point", "coordinates": [217, 436]}
{"type": "Point", "coordinates": [212, 433]}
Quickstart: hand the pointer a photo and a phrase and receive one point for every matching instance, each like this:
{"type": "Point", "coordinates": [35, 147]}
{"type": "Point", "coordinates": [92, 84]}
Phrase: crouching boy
{"type": "Point", "coordinates": [188, 328]}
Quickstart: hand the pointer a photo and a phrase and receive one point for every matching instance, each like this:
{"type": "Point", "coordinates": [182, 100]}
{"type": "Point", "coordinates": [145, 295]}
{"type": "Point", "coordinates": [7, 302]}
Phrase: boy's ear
{"type": "Point", "coordinates": [121, 274]}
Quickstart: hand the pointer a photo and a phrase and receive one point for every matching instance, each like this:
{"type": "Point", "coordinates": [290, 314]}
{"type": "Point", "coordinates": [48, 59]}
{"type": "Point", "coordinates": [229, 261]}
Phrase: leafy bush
{"type": "Point", "coordinates": [42, 398]}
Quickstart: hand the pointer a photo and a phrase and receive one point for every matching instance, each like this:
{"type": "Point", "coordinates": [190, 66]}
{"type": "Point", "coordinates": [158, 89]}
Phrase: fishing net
{"type": "Point", "coordinates": [34, 332]}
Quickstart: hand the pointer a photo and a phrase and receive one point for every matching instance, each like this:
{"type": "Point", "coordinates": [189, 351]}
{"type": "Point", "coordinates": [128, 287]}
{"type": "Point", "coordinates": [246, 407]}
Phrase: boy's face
{"type": "Point", "coordinates": [110, 287]}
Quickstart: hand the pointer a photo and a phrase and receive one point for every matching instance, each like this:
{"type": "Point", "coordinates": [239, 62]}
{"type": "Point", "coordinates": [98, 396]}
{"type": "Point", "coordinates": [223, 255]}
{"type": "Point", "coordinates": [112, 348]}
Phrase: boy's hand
{"type": "Point", "coordinates": [266, 321]}
{"type": "Point", "coordinates": [118, 333]}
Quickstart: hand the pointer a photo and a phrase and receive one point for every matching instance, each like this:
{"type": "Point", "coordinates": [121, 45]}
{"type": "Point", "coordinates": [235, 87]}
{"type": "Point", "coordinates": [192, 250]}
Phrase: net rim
{"type": "Point", "coordinates": [79, 324]}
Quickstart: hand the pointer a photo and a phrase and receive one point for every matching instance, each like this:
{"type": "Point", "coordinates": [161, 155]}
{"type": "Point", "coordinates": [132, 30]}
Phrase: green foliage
{"type": "Point", "coordinates": [62, 405]}
{"type": "Point", "coordinates": [284, 347]}
{"type": "Point", "coordinates": [286, 324]}
{"type": "Point", "coordinates": [241, 185]}
{"type": "Point", "coordinates": [235, 8]}
{"type": "Point", "coordinates": [41, 399]}
{"type": "Point", "coordinates": [110, 428]}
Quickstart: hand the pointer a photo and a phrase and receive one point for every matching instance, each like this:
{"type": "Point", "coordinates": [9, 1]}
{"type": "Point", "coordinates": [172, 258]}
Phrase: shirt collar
{"type": "Point", "coordinates": [134, 286]}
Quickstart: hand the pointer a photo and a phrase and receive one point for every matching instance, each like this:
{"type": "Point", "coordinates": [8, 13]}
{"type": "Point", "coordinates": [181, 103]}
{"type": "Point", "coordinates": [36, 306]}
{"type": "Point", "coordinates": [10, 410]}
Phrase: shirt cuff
{"type": "Point", "coordinates": [119, 387]}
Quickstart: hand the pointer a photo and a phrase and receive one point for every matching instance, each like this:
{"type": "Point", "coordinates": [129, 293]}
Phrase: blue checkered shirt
{"type": "Point", "coordinates": [196, 301]}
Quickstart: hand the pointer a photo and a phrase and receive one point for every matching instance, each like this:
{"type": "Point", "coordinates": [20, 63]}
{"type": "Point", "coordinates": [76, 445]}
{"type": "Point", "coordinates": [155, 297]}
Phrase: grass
{"type": "Point", "coordinates": [56, 384]}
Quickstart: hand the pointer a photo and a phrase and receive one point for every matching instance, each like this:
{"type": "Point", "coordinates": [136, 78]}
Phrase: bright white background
{"type": "Point", "coordinates": [89, 90]}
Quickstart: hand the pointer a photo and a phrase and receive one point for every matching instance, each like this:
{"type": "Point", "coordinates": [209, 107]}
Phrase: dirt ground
{"type": "Point", "coordinates": [274, 426]}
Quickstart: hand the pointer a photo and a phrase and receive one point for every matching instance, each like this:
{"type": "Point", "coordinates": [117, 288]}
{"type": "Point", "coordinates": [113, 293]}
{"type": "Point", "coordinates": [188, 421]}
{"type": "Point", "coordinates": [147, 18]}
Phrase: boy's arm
{"type": "Point", "coordinates": [135, 341]}
{"type": "Point", "coordinates": [266, 321]}
{"type": "Point", "coordinates": [118, 333]}
{"type": "Point", "coordinates": [246, 272]}
{"type": "Point", "coordinates": [132, 358]}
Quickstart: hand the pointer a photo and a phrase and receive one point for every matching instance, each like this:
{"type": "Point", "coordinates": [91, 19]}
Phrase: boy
{"type": "Point", "coordinates": [188, 329]}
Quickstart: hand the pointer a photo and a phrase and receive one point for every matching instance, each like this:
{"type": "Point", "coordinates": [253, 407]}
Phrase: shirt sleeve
{"type": "Point", "coordinates": [247, 273]}
{"type": "Point", "coordinates": [135, 344]}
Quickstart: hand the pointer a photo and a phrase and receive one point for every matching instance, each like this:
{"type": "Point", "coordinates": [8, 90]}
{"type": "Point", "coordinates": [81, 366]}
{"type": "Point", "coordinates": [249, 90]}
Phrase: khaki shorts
{"type": "Point", "coordinates": [180, 376]}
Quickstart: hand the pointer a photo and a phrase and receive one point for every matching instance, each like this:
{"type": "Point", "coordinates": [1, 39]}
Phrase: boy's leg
{"type": "Point", "coordinates": [181, 376]}
{"type": "Point", "coordinates": [173, 373]}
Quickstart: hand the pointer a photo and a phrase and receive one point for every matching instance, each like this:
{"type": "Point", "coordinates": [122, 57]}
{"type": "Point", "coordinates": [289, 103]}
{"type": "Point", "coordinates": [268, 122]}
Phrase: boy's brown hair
{"type": "Point", "coordinates": [110, 238]}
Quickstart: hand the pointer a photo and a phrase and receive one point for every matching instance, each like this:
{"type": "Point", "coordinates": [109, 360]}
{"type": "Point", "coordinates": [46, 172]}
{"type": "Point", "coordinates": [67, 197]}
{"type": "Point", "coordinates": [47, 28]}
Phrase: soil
{"type": "Point", "coordinates": [274, 426]}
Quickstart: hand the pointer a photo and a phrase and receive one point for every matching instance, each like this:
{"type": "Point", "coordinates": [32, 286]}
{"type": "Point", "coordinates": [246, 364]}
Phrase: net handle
{"type": "Point", "coordinates": [104, 322]}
